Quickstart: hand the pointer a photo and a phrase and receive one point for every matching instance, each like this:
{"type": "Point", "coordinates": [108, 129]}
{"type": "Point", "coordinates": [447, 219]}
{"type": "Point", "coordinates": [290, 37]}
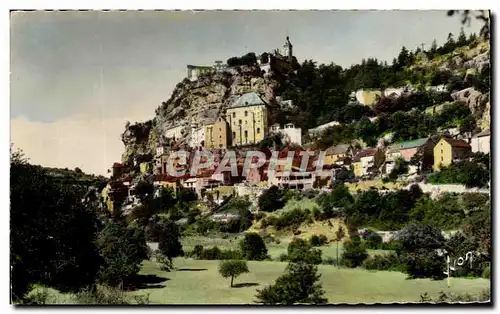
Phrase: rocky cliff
{"type": "Point", "coordinates": [200, 101]}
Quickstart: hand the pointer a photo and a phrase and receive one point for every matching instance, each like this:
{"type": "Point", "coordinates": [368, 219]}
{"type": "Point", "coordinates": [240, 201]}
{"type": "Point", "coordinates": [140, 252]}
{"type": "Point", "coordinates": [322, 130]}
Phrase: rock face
{"type": "Point", "coordinates": [477, 103]}
{"type": "Point", "coordinates": [201, 101]}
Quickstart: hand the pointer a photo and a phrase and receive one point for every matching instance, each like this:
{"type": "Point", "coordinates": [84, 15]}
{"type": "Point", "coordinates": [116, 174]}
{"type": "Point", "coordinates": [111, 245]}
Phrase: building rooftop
{"type": "Point", "coordinates": [456, 143]}
{"type": "Point", "coordinates": [364, 153]}
{"type": "Point", "coordinates": [484, 133]}
{"type": "Point", "coordinates": [337, 149]}
{"type": "Point", "coordinates": [248, 99]}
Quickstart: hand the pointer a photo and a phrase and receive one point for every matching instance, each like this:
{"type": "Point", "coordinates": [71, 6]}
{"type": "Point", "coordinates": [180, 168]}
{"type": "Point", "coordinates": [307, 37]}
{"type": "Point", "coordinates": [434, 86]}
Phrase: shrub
{"type": "Point", "coordinates": [210, 254]}
{"type": "Point", "coordinates": [169, 243]}
{"type": "Point", "coordinates": [383, 262]}
{"type": "Point", "coordinates": [291, 218]}
{"type": "Point", "coordinates": [486, 272]}
{"type": "Point", "coordinates": [354, 253]}
{"type": "Point", "coordinates": [271, 199]}
{"type": "Point", "coordinates": [301, 251]}
{"type": "Point", "coordinates": [373, 241]}
{"type": "Point", "coordinates": [318, 240]}
{"type": "Point", "coordinates": [299, 284]}
{"type": "Point", "coordinates": [107, 295]}
{"type": "Point", "coordinates": [330, 261]}
{"type": "Point", "coordinates": [197, 251]}
{"type": "Point", "coordinates": [419, 251]}
{"type": "Point", "coordinates": [253, 247]}
{"type": "Point", "coordinates": [283, 257]}
{"type": "Point", "coordinates": [232, 268]}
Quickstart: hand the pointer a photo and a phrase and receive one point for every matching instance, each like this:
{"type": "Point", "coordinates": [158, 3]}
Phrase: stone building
{"type": "Point", "coordinates": [247, 119]}
{"type": "Point", "coordinates": [217, 134]}
{"type": "Point", "coordinates": [289, 132]}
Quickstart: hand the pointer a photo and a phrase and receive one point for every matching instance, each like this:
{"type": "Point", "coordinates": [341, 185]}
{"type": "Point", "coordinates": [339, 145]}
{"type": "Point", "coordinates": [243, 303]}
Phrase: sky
{"type": "Point", "coordinates": [78, 77]}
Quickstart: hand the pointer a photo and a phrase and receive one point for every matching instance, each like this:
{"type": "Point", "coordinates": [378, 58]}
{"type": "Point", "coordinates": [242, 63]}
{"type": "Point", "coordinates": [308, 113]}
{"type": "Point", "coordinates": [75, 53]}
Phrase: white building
{"type": "Point", "coordinates": [319, 129]}
{"type": "Point", "coordinates": [197, 135]}
{"type": "Point", "coordinates": [174, 132]}
{"type": "Point", "coordinates": [289, 132]}
{"type": "Point", "coordinates": [480, 142]}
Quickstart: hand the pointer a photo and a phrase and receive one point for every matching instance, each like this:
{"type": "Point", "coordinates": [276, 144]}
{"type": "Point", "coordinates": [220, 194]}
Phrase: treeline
{"type": "Point", "coordinates": [59, 241]}
{"type": "Point", "coordinates": [321, 92]}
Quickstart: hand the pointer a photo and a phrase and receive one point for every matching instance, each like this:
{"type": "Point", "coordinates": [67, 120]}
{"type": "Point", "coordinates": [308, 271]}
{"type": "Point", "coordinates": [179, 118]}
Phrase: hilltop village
{"type": "Point", "coordinates": [243, 122]}
{"type": "Point", "coordinates": [370, 184]}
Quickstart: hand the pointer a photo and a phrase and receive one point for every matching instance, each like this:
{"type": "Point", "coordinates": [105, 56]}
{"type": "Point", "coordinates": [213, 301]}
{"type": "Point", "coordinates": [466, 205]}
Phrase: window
{"type": "Point", "coordinates": [258, 130]}
{"type": "Point", "coordinates": [246, 122]}
{"type": "Point", "coordinates": [220, 130]}
{"type": "Point", "coordinates": [234, 134]}
{"type": "Point", "coordinates": [246, 133]}
{"type": "Point", "coordinates": [234, 114]}
{"type": "Point", "coordinates": [239, 121]}
{"type": "Point", "coordinates": [441, 158]}
{"type": "Point", "coordinates": [441, 151]}
{"type": "Point", "coordinates": [246, 113]}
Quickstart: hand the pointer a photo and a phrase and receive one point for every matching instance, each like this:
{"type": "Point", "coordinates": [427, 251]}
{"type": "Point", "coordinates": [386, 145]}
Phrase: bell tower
{"type": "Point", "coordinates": [288, 50]}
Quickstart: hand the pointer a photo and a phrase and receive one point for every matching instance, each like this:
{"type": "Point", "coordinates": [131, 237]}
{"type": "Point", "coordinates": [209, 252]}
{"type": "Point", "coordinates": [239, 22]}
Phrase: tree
{"type": "Point", "coordinates": [233, 61]}
{"type": "Point", "coordinates": [169, 243]}
{"type": "Point", "coordinates": [482, 15]}
{"type": "Point", "coordinates": [433, 47]}
{"type": "Point", "coordinates": [52, 231]}
{"type": "Point", "coordinates": [462, 39]}
{"type": "Point", "coordinates": [354, 252]}
{"type": "Point", "coordinates": [264, 58]}
{"type": "Point", "coordinates": [339, 235]}
{"type": "Point", "coordinates": [271, 199]}
{"type": "Point", "coordinates": [400, 168]}
{"type": "Point", "coordinates": [232, 268]}
{"type": "Point", "coordinates": [299, 284]}
{"type": "Point", "coordinates": [123, 249]}
{"type": "Point", "coordinates": [253, 247]}
{"type": "Point", "coordinates": [300, 250]}
{"type": "Point", "coordinates": [78, 170]}
{"type": "Point", "coordinates": [419, 252]}
{"type": "Point", "coordinates": [249, 59]}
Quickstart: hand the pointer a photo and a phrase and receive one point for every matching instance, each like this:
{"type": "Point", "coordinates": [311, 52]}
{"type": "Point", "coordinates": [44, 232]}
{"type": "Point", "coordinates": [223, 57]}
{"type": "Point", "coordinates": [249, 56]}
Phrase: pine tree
{"type": "Point", "coordinates": [433, 46]}
{"type": "Point", "coordinates": [462, 39]}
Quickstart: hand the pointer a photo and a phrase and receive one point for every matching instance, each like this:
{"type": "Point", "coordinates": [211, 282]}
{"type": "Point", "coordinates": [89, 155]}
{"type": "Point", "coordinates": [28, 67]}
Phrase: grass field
{"type": "Point", "coordinates": [198, 282]}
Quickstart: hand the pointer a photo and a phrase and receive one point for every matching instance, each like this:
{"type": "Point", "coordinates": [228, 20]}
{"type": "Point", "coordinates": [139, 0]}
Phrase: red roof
{"type": "Point", "coordinates": [457, 143]}
{"type": "Point", "coordinates": [364, 153]}
{"type": "Point", "coordinates": [117, 165]}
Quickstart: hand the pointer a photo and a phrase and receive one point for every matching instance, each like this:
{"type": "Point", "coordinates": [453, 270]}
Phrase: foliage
{"type": "Point", "coordinates": [318, 240]}
{"type": "Point", "coordinates": [400, 168]}
{"type": "Point", "coordinates": [451, 297]}
{"type": "Point", "coordinates": [271, 199]}
{"type": "Point", "coordinates": [107, 295]}
{"type": "Point", "coordinates": [419, 253]}
{"type": "Point", "coordinates": [373, 241]}
{"type": "Point", "coordinates": [477, 227]}
{"type": "Point", "coordinates": [52, 232]}
{"type": "Point", "coordinates": [169, 243]}
{"type": "Point", "coordinates": [354, 252]}
{"type": "Point", "coordinates": [339, 197]}
{"type": "Point", "coordinates": [468, 173]}
{"type": "Point", "coordinates": [444, 212]}
{"type": "Point", "coordinates": [300, 250]}
{"type": "Point", "coordinates": [253, 247]}
{"type": "Point", "coordinates": [299, 284]}
{"type": "Point", "coordinates": [232, 268]}
{"type": "Point", "coordinates": [383, 262]}
{"type": "Point", "coordinates": [123, 249]}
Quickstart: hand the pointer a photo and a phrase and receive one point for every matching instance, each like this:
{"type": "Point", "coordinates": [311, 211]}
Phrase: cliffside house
{"type": "Point", "coordinates": [367, 161]}
{"type": "Point", "coordinates": [448, 150]}
{"type": "Point", "coordinates": [217, 134]}
{"type": "Point", "coordinates": [481, 142]}
{"type": "Point", "coordinates": [407, 150]}
{"type": "Point", "coordinates": [336, 152]}
{"type": "Point", "coordinates": [247, 119]}
{"type": "Point", "coordinates": [167, 181]}
{"type": "Point", "coordinates": [290, 133]}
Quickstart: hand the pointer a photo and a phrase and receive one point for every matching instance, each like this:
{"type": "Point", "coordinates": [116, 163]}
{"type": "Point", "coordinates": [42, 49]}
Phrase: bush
{"type": "Point", "coordinates": [271, 199]}
{"type": "Point", "coordinates": [214, 253]}
{"type": "Point", "coordinates": [301, 251]}
{"type": "Point", "coordinates": [486, 272]}
{"type": "Point", "coordinates": [232, 268]}
{"type": "Point", "coordinates": [373, 241]}
{"type": "Point", "coordinates": [233, 61]}
{"type": "Point", "coordinates": [329, 261]}
{"type": "Point", "coordinates": [383, 262]}
{"type": "Point", "coordinates": [292, 218]}
{"type": "Point", "coordinates": [318, 240]}
{"type": "Point", "coordinates": [107, 295]}
{"type": "Point", "coordinates": [299, 284]}
{"type": "Point", "coordinates": [354, 253]}
{"type": "Point", "coordinates": [253, 247]}
{"type": "Point", "coordinates": [419, 251]}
